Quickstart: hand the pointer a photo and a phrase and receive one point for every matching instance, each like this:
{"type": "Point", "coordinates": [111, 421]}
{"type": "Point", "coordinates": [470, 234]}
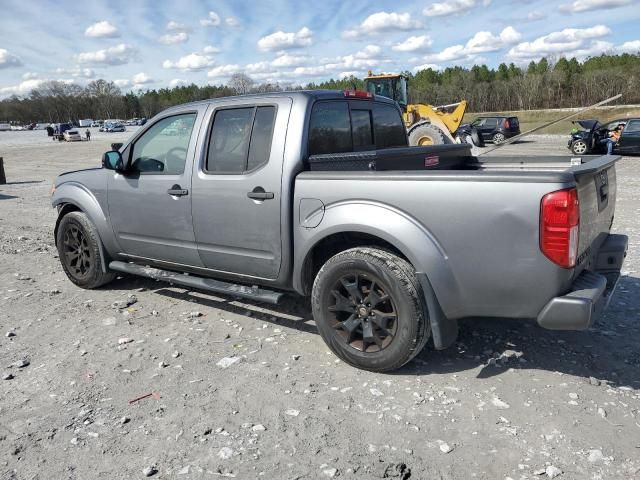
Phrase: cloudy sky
{"type": "Point", "coordinates": [154, 44]}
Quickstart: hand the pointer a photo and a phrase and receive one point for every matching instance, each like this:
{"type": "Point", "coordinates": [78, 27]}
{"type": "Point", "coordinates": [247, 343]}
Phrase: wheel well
{"type": "Point", "coordinates": [334, 244]}
{"type": "Point", "coordinates": [62, 211]}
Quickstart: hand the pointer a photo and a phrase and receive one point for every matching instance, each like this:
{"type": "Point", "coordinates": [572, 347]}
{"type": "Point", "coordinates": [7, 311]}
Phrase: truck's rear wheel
{"type": "Point", "coordinates": [79, 251]}
{"type": "Point", "coordinates": [426, 134]}
{"type": "Point", "coordinates": [368, 307]}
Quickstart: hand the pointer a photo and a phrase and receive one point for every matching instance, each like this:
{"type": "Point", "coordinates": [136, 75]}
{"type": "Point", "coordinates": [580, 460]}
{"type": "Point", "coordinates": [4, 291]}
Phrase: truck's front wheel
{"type": "Point", "coordinates": [79, 251]}
{"type": "Point", "coordinates": [368, 307]}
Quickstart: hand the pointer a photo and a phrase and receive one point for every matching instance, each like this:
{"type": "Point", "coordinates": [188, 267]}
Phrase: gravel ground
{"type": "Point", "coordinates": [237, 390]}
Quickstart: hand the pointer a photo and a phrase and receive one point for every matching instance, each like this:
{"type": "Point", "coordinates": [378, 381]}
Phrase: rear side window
{"type": "Point", "coordinates": [330, 128]}
{"type": "Point", "coordinates": [389, 127]}
{"type": "Point", "coordinates": [490, 122]}
{"type": "Point", "coordinates": [240, 139]}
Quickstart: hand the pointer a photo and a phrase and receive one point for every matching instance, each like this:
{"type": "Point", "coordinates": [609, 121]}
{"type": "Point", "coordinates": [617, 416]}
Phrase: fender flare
{"type": "Point", "coordinates": [395, 227]}
{"type": "Point", "coordinates": [76, 194]}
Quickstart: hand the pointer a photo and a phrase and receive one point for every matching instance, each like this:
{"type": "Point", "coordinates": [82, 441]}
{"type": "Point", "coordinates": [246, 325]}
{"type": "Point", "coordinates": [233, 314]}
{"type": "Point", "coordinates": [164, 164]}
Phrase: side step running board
{"type": "Point", "coordinates": [201, 283]}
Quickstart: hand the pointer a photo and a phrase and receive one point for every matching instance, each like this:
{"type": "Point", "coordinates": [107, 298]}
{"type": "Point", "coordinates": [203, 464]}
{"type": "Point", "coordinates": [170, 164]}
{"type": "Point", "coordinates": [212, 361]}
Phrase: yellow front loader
{"type": "Point", "coordinates": [426, 124]}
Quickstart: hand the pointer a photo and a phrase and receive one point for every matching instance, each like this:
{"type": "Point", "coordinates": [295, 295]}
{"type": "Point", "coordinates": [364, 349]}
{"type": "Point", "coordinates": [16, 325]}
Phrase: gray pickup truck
{"type": "Point", "coordinates": [317, 193]}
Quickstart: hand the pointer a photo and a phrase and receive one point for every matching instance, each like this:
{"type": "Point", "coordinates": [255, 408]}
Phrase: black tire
{"type": "Point", "coordinates": [397, 328]}
{"type": "Point", "coordinates": [79, 251]}
{"type": "Point", "coordinates": [427, 134]}
{"type": "Point", "coordinates": [579, 147]}
{"type": "Point", "coordinates": [499, 138]}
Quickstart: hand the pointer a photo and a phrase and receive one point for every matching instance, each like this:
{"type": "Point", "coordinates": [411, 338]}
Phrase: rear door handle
{"type": "Point", "coordinates": [178, 191]}
{"type": "Point", "coordinates": [260, 195]}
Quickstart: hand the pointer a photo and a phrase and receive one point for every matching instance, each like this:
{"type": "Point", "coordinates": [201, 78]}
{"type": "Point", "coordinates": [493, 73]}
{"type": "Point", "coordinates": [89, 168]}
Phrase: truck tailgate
{"type": "Point", "coordinates": [596, 185]}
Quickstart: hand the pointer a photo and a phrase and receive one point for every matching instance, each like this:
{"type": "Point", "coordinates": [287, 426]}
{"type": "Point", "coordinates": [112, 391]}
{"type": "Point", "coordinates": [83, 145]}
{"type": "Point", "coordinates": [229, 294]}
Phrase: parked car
{"type": "Point", "coordinates": [496, 129]}
{"type": "Point", "coordinates": [72, 136]}
{"type": "Point", "coordinates": [97, 123]}
{"type": "Point", "coordinates": [318, 193]}
{"type": "Point", "coordinates": [113, 127]}
{"type": "Point", "coordinates": [585, 138]}
{"type": "Point", "coordinates": [5, 127]}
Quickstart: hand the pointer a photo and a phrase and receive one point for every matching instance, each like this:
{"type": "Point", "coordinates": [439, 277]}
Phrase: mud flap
{"type": "Point", "coordinates": [444, 331]}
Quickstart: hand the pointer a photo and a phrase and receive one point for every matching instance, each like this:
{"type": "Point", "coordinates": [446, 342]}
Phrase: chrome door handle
{"type": "Point", "coordinates": [258, 193]}
{"type": "Point", "coordinates": [178, 191]}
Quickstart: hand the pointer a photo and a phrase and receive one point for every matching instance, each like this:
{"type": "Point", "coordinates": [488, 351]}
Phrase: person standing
{"type": "Point", "coordinates": [87, 134]}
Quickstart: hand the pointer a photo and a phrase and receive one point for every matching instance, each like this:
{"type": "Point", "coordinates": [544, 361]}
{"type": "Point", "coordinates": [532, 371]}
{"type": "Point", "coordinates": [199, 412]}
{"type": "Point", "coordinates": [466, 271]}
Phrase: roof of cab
{"type": "Point", "coordinates": [309, 94]}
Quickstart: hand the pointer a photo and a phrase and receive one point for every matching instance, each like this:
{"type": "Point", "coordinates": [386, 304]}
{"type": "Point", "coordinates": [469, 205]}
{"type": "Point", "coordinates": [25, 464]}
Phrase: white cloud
{"type": "Point", "coordinates": [192, 62]}
{"type": "Point", "coordinates": [224, 71]}
{"type": "Point", "coordinates": [232, 22]}
{"type": "Point", "coordinates": [213, 20]}
{"type": "Point", "coordinates": [28, 85]}
{"type": "Point", "coordinates": [414, 43]}
{"type": "Point", "coordinates": [176, 82]}
{"type": "Point", "coordinates": [426, 66]}
{"type": "Point", "coordinates": [481, 42]}
{"type": "Point", "coordinates": [535, 16]}
{"type": "Point", "coordinates": [101, 30]}
{"type": "Point", "coordinates": [287, 60]}
{"type": "Point", "coordinates": [118, 55]}
{"type": "Point", "coordinates": [566, 42]}
{"type": "Point", "coordinates": [383, 22]}
{"type": "Point", "coordinates": [285, 40]}
{"type": "Point", "coordinates": [122, 83]}
{"type": "Point", "coordinates": [76, 72]}
{"type": "Point", "coordinates": [630, 47]}
{"type": "Point", "coordinates": [174, 26]}
{"type": "Point", "coordinates": [141, 79]}
{"type": "Point", "coordinates": [8, 60]}
{"type": "Point", "coordinates": [210, 50]}
{"type": "Point", "coordinates": [30, 76]}
{"type": "Point", "coordinates": [452, 7]}
{"type": "Point", "coordinates": [586, 5]}
{"type": "Point", "coordinates": [22, 88]}
{"type": "Point", "coordinates": [173, 38]}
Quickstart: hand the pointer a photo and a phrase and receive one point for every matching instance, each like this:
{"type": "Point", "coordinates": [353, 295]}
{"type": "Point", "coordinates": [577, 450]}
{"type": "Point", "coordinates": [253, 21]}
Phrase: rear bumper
{"type": "Point", "coordinates": [590, 293]}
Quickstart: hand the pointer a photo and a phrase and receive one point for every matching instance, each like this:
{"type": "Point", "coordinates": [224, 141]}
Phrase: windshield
{"type": "Point", "coordinates": [394, 88]}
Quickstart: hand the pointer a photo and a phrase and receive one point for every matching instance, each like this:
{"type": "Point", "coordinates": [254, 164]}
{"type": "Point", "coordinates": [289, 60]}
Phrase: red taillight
{"type": "Point", "coordinates": [560, 226]}
{"type": "Point", "coordinates": [358, 94]}
{"type": "Point", "coordinates": [506, 123]}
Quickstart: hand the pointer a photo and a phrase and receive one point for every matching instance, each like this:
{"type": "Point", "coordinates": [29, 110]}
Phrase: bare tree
{"type": "Point", "coordinates": [240, 83]}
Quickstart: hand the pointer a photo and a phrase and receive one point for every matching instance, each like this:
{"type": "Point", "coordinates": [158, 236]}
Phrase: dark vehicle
{"type": "Point", "coordinates": [59, 129]}
{"type": "Point", "coordinates": [495, 129]}
{"type": "Point", "coordinates": [585, 138]}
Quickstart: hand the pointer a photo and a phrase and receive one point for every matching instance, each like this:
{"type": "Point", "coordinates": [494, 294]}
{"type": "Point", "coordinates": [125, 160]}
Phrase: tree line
{"type": "Point", "coordinates": [548, 83]}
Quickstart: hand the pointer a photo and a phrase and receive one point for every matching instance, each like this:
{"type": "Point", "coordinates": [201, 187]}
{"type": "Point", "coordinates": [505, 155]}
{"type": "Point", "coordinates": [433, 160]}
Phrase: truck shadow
{"type": "Point", "coordinates": [609, 351]}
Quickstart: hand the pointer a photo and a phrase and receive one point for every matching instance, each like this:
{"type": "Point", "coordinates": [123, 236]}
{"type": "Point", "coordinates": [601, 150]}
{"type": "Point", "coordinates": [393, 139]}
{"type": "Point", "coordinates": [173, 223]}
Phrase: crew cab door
{"type": "Point", "coordinates": [150, 204]}
{"type": "Point", "coordinates": [237, 187]}
{"type": "Point", "coordinates": [486, 127]}
{"type": "Point", "coordinates": [630, 139]}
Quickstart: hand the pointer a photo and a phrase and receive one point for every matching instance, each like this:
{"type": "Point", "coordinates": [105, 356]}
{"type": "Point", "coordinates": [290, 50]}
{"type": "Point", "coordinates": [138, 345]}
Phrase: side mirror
{"type": "Point", "coordinates": [113, 161]}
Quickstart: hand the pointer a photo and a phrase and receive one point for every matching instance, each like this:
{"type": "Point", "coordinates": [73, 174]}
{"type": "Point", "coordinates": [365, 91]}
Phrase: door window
{"type": "Point", "coordinates": [240, 139]}
{"type": "Point", "coordinates": [632, 127]}
{"type": "Point", "coordinates": [330, 128]}
{"type": "Point", "coordinates": [162, 149]}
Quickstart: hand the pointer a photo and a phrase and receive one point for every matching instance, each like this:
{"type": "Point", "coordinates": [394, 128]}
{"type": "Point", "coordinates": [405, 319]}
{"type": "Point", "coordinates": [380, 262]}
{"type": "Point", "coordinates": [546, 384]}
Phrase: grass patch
{"type": "Point", "coordinates": [530, 119]}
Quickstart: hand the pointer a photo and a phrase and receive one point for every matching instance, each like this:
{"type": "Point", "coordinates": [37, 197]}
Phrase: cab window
{"type": "Point", "coordinates": [162, 149]}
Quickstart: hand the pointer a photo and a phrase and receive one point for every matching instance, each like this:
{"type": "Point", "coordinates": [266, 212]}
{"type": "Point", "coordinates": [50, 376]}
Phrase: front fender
{"type": "Point", "coordinates": [392, 225]}
{"type": "Point", "coordinates": [74, 193]}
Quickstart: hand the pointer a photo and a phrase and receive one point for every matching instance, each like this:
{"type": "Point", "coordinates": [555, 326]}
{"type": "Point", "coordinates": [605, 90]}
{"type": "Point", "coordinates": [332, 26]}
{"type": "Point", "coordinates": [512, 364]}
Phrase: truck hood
{"type": "Point", "coordinates": [77, 175]}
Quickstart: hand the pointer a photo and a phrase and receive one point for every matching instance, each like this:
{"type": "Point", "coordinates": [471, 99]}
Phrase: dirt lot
{"type": "Point", "coordinates": [287, 409]}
